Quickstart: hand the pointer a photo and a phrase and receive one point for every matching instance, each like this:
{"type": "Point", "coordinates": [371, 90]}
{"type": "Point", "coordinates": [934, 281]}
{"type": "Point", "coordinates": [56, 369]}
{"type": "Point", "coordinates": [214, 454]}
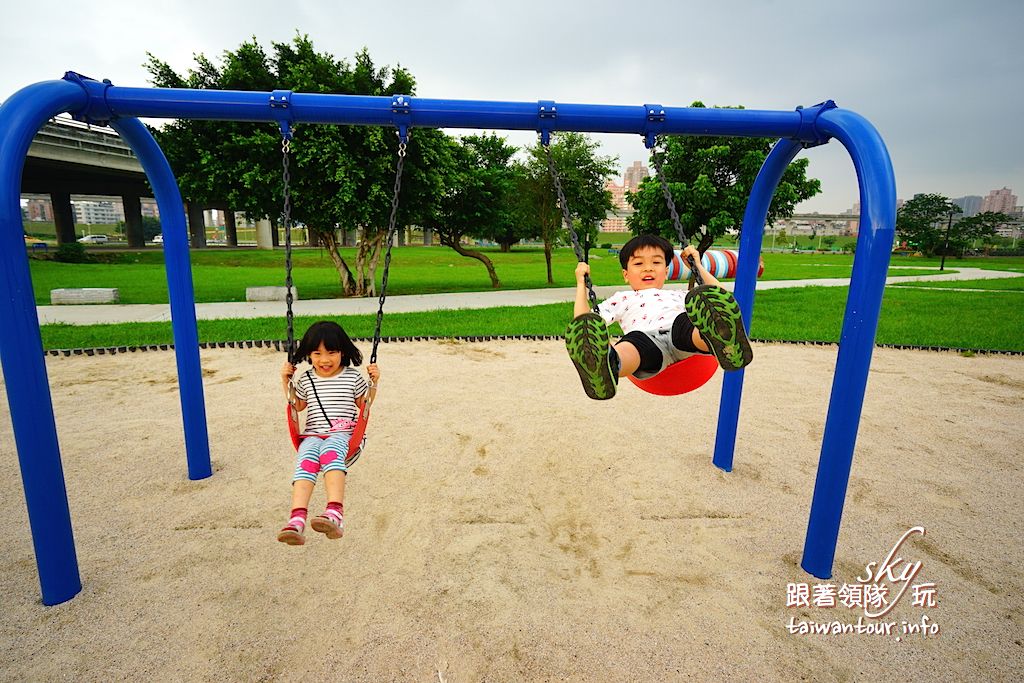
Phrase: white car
{"type": "Point", "coordinates": [159, 239]}
{"type": "Point", "coordinates": [94, 239]}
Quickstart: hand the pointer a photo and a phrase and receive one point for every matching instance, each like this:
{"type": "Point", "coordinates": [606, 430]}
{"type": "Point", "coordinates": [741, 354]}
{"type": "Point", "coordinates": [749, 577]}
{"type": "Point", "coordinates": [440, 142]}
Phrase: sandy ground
{"type": "Point", "coordinates": [503, 527]}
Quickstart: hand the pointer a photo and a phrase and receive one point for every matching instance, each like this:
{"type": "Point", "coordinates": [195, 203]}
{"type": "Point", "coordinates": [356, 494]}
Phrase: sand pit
{"type": "Point", "coordinates": [503, 527]}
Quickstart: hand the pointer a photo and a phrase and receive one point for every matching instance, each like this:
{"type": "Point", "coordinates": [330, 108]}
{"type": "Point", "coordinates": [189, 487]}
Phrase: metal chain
{"type": "Point", "coordinates": [286, 214]}
{"type": "Point", "coordinates": [670, 203]}
{"type": "Point", "coordinates": [387, 254]}
{"type": "Point", "coordinates": [567, 219]}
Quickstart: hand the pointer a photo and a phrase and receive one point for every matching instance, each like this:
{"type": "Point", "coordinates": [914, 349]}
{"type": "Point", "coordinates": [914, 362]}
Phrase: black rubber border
{"type": "Point", "coordinates": [278, 345]}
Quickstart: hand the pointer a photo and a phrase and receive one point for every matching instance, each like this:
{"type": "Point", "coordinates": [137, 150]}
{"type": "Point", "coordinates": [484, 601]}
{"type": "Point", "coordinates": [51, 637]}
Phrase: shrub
{"type": "Point", "coordinates": [72, 252]}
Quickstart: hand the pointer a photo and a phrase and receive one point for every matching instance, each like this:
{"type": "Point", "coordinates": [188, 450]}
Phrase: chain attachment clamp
{"type": "Point", "coordinates": [281, 107]}
{"type": "Point", "coordinates": [401, 113]}
{"type": "Point", "coordinates": [546, 111]}
{"type": "Point", "coordinates": [655, 115]}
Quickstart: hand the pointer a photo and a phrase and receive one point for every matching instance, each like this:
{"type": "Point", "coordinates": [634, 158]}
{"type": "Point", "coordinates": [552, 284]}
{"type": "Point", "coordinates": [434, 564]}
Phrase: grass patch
{"type": "Point", "coordinates": [224, 274]}
{"type": "Point", "coordinates": [1011, 284]}
{"type": "Point", "coordinates": [911, 317]}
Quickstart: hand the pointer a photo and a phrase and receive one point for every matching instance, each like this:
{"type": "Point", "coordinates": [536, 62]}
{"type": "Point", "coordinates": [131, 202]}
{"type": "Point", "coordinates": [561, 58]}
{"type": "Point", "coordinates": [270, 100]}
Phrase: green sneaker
{"type": "Point", "coordinates": [587, 341]}
{"type": "Point", "coordinates": [716, 315]}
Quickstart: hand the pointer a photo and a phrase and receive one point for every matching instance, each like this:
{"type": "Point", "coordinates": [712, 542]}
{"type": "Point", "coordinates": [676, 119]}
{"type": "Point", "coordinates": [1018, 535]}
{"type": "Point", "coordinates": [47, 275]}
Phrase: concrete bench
{"type": "Point", "coordinates": [87, 295]}
{"type": "Point", "coordinates": [269, 293]}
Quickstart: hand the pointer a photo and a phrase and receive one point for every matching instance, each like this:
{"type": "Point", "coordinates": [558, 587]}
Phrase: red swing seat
{"type": "Point", "coordinates": [680, 377]}
{"type": "Point", "coordinates": [356, 442]}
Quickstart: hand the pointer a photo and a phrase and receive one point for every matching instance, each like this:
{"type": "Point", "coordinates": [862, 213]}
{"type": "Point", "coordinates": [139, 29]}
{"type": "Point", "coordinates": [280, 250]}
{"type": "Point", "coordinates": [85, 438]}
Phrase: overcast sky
{"type": "Point", "coordinates": [941, 80]}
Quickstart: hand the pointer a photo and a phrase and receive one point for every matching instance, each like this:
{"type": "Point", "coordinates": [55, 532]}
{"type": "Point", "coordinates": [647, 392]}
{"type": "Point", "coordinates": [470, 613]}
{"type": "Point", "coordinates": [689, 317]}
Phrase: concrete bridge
{"type": "Point", "coordinates": [67, 157]}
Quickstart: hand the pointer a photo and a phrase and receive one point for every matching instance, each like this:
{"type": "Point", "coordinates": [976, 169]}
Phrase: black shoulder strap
{"type": "Point", "coordinates": [312, 384]}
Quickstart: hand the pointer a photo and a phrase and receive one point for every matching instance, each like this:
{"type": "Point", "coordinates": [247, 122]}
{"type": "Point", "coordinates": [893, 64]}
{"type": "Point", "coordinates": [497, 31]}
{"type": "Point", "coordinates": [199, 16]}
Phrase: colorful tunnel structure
{"type": "Point", "coordinates": [719, 262]}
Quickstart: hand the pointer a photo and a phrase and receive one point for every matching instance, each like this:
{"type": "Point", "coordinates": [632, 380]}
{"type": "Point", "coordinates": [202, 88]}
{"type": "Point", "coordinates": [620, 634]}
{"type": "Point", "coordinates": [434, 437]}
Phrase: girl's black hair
{"type": "Point", "coordinates": [642, 242]}
{"type": "Point", "coordinates": [333, 338]}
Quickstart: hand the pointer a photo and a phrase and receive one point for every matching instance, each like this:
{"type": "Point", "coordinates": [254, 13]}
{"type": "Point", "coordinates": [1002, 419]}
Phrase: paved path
{"type": "Point", "coordinates": [124, 313]}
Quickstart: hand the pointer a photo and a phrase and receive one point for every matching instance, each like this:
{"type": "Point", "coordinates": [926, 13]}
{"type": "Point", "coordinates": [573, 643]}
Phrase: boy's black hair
{"type": "Point", "coordinates": [333, 338]}
{"type": "Point", "coordinates": [642, 242]}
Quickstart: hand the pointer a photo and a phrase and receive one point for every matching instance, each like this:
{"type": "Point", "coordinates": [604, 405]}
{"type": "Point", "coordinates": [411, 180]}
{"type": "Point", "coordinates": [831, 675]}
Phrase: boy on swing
{"type": "Point", "coordinates": [661, 326]}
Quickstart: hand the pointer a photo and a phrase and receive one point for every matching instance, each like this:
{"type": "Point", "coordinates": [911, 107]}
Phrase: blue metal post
{"type": "Point", "coordinates": [860, 323]}
{"type": "Point", "coordinates": [179, 287]}
{"type": "Point", "coordinates": [761, 193]}
{"type": "Point", "coordinates": [21, 348]}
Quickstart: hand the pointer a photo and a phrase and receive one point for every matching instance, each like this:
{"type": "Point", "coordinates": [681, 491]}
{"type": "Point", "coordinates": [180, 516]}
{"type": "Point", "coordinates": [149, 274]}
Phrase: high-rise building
{"type": "Point", "coordinates": [970, 205]}
{"type": "Point", "coordinates": [149, 208]}
{"type": "Point", "coordinates": [39, 209]}
{"type": "Point", "coordinates": [615, 221]}
{"type": "Point", "coordinates": [92, 212]}
{"type": "Point", "coordinates": [1002, 201]}
{"type": "Point", "coordinates": [634, 175]}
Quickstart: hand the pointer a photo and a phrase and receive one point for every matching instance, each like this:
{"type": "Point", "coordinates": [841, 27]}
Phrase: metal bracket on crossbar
{"type": "Point", "coordinates": [808, 134]}
{"type": "Point", "coordinates": [655, 115]}
{"type": "Point", "coordinates": [546, 111]}
{"type": "Point", "coordinates": [281, 107]}
{"type": "Point", "coordinates": [401, 111]}
{"type": "Point", "coordinates": [96, 112]}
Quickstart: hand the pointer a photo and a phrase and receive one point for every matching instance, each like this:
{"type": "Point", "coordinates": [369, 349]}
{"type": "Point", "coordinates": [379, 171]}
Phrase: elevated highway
{"type": "Point", "coordinates": [67, 157]}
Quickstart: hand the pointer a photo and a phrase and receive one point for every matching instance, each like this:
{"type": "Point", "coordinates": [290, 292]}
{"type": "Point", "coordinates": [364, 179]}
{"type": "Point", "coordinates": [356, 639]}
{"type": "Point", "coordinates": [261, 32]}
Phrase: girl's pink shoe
{"type": "Point", "coordinates": [331, 523]}
{"type": "Point", "coordinates": [292, 533]}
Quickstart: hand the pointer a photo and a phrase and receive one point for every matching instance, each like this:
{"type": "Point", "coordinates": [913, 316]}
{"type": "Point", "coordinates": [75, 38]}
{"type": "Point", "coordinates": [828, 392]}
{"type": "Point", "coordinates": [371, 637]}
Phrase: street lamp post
{"type": "Point", "coordinates": [945, 244]}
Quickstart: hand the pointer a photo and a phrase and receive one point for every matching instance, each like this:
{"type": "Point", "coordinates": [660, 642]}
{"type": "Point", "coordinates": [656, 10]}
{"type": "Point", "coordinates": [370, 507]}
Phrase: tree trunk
{"type": "Point", "coordinates": [367, 257]}
{"type": "Point", "coordinates": [547, 259]}
{"type": "Point", "coordinates": [329, 240]}
{"type": "Point", "coordinates": [482, 258]}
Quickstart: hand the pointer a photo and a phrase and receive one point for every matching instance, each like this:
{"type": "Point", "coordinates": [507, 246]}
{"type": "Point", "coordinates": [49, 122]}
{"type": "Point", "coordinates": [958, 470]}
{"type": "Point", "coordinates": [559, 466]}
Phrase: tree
{"type": "Point", "coordinates": [710, 180]}
{"type": "Point", "coordinates": [477, 195]}
{"type": "Point", "coordinates": [978, 226]}
{"type": "Point", "coordinates": [341, 176]}
{"type": "Point", "coordinates": [923, 220]}
{"type": "Point", "coordinates": [583, 174]}
{"type": "Point", "coordinates": [150, 227]}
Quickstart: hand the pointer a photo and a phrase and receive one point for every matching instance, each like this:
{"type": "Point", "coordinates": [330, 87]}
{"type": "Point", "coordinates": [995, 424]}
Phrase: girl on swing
{"type": "Point", "coordinates": [334, 391]}
{"type": "Point", "coordinates": [661, 326]}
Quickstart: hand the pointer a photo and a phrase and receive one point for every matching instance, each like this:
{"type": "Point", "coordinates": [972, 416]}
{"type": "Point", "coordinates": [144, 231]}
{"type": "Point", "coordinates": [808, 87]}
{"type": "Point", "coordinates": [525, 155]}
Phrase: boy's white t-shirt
{"type": "Point", "coordinates": [644, 310]}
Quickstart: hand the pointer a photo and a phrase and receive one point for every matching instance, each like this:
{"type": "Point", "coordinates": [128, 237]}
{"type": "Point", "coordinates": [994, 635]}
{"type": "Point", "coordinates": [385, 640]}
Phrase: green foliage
{"type": "Point", "coordinates": [341, 176]}
{"type": "Point", "coordinates": [710, 180]}
{"type": "Point", "coordinates": [150, 228]}
{"type": "Point", "coordinates": [922, 221]}
{"type": "Point", "coordinates": [977, 227]}
{"type": "Point", "coordinates": [477, 198]}
{"type": "Point", "coordinates": [583, 174]}
{"type": "Point", "coordinates": [72, 252]}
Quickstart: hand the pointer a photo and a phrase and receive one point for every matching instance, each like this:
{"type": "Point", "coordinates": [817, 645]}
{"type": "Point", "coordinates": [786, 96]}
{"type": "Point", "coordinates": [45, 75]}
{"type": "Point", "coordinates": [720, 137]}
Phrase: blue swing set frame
{"type": "Point", "coordinates": [21, 348]}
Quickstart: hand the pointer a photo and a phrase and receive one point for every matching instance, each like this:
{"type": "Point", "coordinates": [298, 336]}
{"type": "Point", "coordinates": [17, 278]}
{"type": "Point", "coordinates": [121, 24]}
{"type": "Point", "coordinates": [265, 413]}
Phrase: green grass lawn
{"type": "Point", "coordinates": [910, 317]}
{"type": "Point", "coordinates": [224, 274]}
{"type": "Point", "coordinates": [1003, 284]}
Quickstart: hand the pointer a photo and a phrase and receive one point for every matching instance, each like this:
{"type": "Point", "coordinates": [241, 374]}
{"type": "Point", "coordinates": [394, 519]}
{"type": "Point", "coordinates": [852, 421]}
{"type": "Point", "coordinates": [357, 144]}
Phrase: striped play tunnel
{"type": "Point", "coordinates": [719, 262]}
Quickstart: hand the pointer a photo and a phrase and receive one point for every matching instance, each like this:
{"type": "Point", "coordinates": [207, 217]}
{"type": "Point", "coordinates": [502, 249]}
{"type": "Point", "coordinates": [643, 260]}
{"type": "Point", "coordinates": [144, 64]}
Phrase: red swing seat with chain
{"type": "Point", "coordinates": [680, 377]}
{"type": "Point", "coordinates": [356, 442]}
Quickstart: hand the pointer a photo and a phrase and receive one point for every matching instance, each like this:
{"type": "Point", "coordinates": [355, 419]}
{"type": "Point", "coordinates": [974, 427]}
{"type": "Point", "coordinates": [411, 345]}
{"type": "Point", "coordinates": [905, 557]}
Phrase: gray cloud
{"type": "Point", "coordinates": [938, 79]}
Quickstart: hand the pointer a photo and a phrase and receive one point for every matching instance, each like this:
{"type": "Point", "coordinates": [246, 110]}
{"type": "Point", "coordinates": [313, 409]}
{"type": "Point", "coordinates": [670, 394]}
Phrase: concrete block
{"type": "Point", "coordinates": [269, 293]}
{"type": "Point", "coordinates": [87, 295]}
